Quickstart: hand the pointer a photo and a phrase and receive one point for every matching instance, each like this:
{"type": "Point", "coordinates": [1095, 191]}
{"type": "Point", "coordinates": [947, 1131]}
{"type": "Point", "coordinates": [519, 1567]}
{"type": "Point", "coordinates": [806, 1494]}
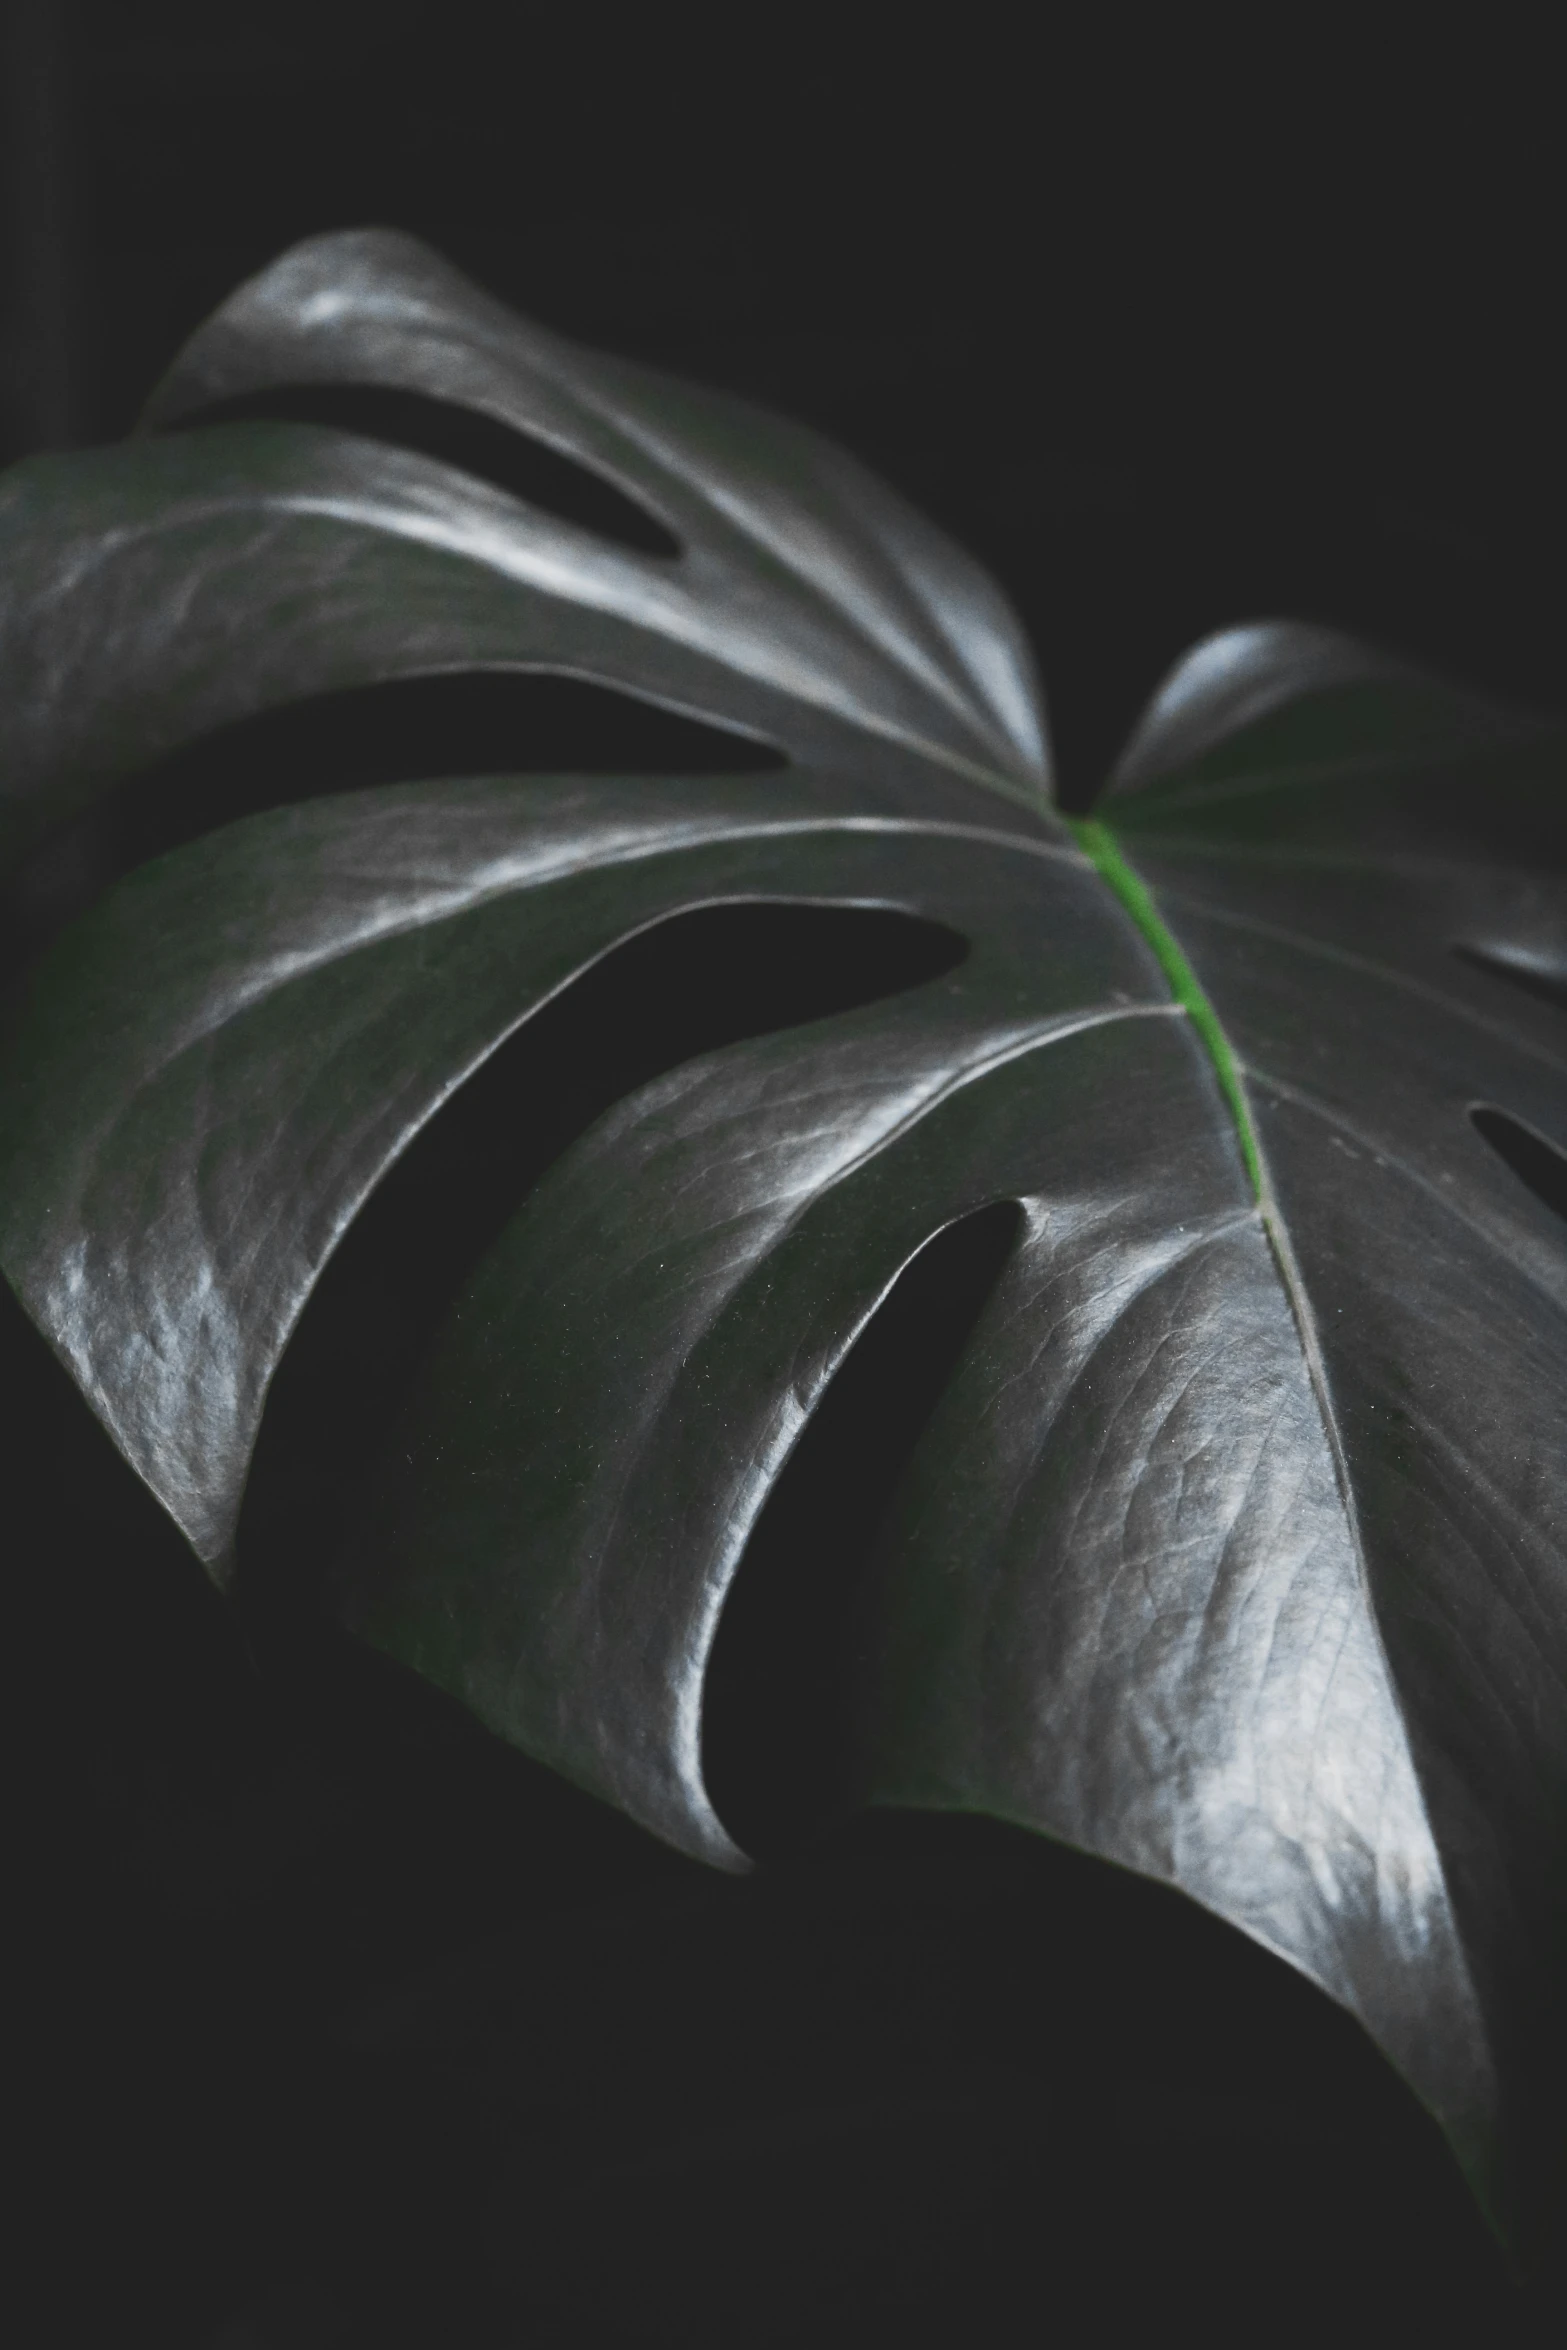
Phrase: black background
{"type": "Point", "coordinates": [346, 2026]}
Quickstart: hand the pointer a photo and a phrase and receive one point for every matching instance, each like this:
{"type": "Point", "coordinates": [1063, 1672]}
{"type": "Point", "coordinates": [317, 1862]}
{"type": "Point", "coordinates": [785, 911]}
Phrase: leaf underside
{"type": "Point", "coordinates": [1232, 1550]}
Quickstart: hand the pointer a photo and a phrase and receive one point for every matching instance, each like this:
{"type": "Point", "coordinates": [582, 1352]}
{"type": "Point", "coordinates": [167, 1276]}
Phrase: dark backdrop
{"type": "Point", "coordinates": [348, 2026]}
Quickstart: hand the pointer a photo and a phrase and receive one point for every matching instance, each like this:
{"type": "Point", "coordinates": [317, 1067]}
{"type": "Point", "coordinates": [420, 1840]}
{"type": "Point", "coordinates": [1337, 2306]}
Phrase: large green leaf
{"type": "Point", "coordinates": [1233, 1551]}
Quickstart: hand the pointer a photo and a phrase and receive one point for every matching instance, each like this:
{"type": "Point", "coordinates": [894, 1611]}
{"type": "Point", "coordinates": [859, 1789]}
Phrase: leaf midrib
{"type": "Point", "coordinates": [1386, 974]}
{"type": "Point", "coordinates": [1099, 844]}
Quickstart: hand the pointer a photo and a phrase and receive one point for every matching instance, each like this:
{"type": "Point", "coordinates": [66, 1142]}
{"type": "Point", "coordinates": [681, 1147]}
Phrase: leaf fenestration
{"type": "Point", "coordinates": [1232, 1550]}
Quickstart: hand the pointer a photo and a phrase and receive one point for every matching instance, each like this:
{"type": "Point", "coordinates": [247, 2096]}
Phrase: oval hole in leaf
{"type": "Point", "coordinates": [1535, 976]}
{"type": "Point", "coordinates": [777, 1704]}
{"type": "Point", "coordinates": [459, 722]}
{"type": "Point", "coordinates": [1533, 1160]}
{"type": "Point", "coordinates": [686, 985]}
{"type": "Point", "coordinates": [471, 442]}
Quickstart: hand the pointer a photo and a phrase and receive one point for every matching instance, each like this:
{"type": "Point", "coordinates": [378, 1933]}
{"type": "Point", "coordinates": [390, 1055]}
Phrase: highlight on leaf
{"type": "Point", "coordinates": [687, 985]}
{"type": "Point", "coordinates": [573, 1094]}
{"type": "Point", "coordinates": [520, 463]}
{"type": "Point", "coordinates": [456, 722]}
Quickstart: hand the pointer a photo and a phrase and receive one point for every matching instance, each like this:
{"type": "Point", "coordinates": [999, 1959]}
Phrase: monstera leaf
{"type": "Point", "coordinates": [1232, 1547]}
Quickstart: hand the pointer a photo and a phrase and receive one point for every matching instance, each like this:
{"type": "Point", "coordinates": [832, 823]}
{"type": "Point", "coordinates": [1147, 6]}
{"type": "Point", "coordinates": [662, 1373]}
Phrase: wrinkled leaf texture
{"type": "Point", "coordinates": [1233, 1551]}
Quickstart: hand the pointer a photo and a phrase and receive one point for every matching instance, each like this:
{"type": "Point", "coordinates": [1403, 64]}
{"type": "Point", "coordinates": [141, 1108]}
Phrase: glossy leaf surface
{"type": "Point", "coordinates": [1232, 1550]}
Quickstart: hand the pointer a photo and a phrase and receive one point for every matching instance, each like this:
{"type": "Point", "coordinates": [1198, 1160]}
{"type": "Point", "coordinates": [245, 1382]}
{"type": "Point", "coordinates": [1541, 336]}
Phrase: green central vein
{"type": "Point", "coordinates": [1098, 843]}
